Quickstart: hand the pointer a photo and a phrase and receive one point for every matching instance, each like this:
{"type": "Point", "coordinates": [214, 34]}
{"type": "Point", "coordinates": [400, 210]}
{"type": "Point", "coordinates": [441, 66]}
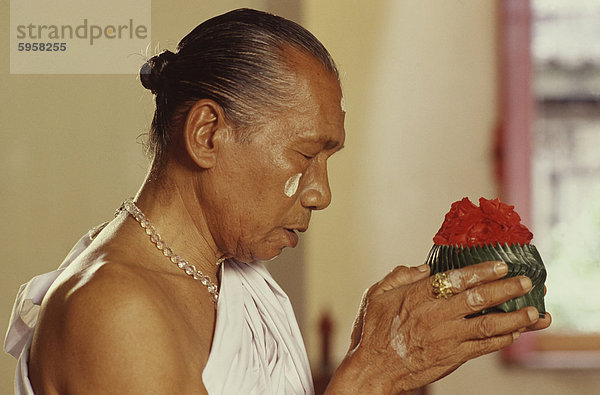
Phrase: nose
{"type": "Point", "coordinates": [316, 194]}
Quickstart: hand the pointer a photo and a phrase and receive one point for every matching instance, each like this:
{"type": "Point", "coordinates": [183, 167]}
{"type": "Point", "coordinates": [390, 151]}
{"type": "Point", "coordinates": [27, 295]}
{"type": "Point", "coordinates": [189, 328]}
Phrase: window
{"type": "Point", "coordinates": [566, 158]}
{"type": "Point", "coordinates": [559, 112]}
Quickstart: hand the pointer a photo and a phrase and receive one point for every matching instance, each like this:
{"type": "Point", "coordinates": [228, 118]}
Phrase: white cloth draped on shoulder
{"type": "Point", "coordinates": [257, 346]}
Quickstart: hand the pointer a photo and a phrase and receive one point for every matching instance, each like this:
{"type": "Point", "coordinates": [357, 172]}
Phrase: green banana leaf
{"type": "Point", "coordinates": [521, 260]}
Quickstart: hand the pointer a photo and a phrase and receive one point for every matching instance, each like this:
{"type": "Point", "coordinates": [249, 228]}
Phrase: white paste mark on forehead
{"type": "Point", "coordinates": [291, 185]}
{"type": "Point", "coordinates": [343, 103]}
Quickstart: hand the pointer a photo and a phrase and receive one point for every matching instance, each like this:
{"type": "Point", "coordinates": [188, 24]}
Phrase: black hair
{"type": "Point", "coordinates": [236, 59]}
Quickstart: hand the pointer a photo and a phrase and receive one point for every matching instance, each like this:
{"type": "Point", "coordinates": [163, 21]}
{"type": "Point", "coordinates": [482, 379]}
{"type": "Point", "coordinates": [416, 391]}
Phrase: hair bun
{"type": "Point", "coordinates": [152, 73]}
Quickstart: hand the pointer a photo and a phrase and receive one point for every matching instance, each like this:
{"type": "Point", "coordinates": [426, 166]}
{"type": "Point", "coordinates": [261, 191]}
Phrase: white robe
{"type": "Point", "coordinates": [257, 347]}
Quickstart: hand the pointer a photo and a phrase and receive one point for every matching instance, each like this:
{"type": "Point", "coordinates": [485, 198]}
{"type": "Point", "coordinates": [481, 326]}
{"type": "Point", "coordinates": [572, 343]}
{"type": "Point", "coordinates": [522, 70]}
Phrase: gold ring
{"type": "Point", "coordinates": [442, 288]}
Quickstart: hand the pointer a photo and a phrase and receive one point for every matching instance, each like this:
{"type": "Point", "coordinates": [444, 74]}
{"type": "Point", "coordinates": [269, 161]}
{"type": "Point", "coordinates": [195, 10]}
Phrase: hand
{"type": "Point", "coordinates": [404, 337]}
{"type": "Point", "coordinates": [399, 276]}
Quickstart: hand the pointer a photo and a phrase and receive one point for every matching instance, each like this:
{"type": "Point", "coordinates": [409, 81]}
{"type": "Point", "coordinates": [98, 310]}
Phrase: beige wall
{"type": "Point", "coordinates": [421, 97]}
{"type": "Point", "coordinates": [419, 78]}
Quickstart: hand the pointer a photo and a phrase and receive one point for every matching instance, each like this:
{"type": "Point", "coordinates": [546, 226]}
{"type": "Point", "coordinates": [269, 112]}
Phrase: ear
{"type": "Point", "coordinates": [204, 123]}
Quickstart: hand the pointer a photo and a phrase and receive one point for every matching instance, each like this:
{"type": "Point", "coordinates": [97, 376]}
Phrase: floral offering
{"type": "Point", "coordinates": [472, 234]}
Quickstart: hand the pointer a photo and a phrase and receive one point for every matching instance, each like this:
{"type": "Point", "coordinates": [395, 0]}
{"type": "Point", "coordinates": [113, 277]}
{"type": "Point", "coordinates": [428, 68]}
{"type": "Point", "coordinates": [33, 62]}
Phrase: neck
{"type": "Point", "coordinates": [177, 216]}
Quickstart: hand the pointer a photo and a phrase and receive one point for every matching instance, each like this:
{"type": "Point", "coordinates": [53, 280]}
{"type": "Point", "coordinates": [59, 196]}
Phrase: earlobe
{"type": "Point", "coordinates": [204, 119]}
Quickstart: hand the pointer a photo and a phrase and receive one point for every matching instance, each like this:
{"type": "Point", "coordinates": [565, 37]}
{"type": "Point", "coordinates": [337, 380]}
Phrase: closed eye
{"type": "Point", "coordinates": [307, 156]}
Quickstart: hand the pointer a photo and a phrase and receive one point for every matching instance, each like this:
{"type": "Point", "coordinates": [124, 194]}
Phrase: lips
{"type": "Point", "coordinates": [292, 237]}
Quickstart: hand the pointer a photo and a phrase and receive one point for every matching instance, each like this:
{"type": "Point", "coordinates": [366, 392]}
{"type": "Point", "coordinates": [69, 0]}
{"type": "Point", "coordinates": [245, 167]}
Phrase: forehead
{"type": "Point", "coordinates": [316, 113]}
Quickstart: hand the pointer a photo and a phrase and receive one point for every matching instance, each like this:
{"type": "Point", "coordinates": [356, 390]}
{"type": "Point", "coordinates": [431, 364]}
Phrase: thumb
{"type": "Point", "coordinates": [400, 276]}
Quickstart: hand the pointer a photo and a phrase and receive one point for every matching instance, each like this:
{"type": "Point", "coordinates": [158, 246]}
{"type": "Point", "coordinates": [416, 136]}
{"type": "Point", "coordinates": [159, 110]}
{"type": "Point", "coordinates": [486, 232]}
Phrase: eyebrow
{"type": "Point", "coordinates": [328, 144]}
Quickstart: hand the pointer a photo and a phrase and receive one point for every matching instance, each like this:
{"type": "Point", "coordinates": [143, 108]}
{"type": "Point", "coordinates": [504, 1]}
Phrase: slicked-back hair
{"type": "Point", "coordinates": [237, 60]}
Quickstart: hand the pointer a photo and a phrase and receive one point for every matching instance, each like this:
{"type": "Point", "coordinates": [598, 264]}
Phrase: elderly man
{"type": "Point", "coordinates": [171, 297]}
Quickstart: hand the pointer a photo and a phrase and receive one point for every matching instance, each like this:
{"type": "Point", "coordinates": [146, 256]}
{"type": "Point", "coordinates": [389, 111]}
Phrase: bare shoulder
{"type": "Point", "coordinates": [106, 329]}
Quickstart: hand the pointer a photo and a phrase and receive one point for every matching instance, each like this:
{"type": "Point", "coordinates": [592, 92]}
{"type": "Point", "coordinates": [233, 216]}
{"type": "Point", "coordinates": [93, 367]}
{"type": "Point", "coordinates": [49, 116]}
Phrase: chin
{"type": "Point", "coordinates": [261, 256]}
{"type": "Point", "coordinates": [270, 259]}
{"type": "Point", "coordinates": [268, 255]}
{"type": "Point", "coordinates": [266, 249]}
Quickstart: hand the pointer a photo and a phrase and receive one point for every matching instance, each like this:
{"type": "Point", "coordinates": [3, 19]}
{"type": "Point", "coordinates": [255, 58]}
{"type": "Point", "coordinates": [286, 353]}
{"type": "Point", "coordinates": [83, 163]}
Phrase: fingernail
{"type": "Point", "coordinates": [516, 335]}
{"type": "Point", "coordinates": [500, 268]}
{"type": "Point", "coordinates": [423, 268]}
{"type": "Point", "coordinates": [525, 283]}
{"type": "Point", "coordinates": [533, 314]}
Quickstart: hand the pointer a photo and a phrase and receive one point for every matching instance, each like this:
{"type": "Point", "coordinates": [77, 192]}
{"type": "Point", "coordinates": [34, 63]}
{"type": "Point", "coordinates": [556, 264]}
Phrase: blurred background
{"type": "Point", "coordinates": [445, 99]}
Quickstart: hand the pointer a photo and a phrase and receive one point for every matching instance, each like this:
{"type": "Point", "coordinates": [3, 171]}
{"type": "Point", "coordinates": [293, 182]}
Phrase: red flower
{"type": "Point", "coordinates": [493, 222]}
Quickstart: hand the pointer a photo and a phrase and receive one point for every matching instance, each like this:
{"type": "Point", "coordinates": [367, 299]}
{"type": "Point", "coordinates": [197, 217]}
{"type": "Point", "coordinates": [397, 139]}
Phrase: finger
{"type": "Point", "coordinates": [476, 348]}
{"type": "Point", "coordinates": [542, 323]}
{"type": "Point", "coordinates": [488, 295]}
{"type": "Point", "coordinates": [491, 325]}
{"type": "Point", "coordinates": [471, 276]}
{"type": "Point", "coordinates": [399, 276]}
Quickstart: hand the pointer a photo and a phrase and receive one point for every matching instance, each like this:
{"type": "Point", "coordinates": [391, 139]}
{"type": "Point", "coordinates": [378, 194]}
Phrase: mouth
{"type": "Point", "coordinates": [292, 236]}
